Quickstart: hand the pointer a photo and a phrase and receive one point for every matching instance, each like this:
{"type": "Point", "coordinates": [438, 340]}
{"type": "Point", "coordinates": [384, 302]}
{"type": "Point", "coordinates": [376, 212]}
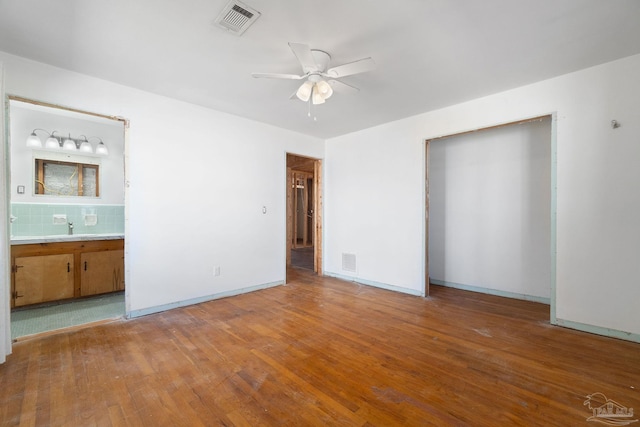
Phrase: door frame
{"type": "Point", "coordinates": [553, 202]}
{"type": "Point", "coordinates": [6, 268]}
{"type": "Point", "coordinates": [317, 212]}
{"type": "Point", "coordinates": [5, 211]}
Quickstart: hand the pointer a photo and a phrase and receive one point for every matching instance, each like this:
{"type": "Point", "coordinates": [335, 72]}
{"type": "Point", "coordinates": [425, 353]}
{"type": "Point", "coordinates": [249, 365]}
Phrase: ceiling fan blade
{"type": "Point", "coordinates": [355, 67]}
{"type": "Point", "coordinates": [277, 76]}
{"type": "Point", "coordinates": [342, 87]}
{"type": "Point", "coordinates": [305, 57]}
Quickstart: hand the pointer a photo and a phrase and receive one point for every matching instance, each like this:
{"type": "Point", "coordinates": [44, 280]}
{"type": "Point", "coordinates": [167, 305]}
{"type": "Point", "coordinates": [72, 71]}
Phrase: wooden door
{"type": "Point", "coordinates": [101, 272]}
{"type": "Point", "coordinates": [43, 278]}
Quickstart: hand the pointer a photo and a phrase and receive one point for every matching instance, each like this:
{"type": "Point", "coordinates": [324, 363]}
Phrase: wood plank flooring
{"type": "Point", "coordinates": [320, 351]}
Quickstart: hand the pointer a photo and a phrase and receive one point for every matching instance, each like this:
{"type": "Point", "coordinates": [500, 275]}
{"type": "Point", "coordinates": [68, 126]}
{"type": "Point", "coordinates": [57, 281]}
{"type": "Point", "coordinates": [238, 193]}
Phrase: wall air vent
{"type": "Point", "coordinates": [236, 17]}
{"type": "Point", "coordinates": [349, 262]}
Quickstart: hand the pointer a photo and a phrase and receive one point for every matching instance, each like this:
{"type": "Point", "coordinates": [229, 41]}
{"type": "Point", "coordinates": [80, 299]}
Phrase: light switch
{"type": "Point", "coordinates": [20, 189]}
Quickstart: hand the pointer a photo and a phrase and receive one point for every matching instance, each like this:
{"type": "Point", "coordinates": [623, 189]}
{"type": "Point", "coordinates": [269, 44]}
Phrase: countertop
{"type": "Point", "coordinates": [30, 240]}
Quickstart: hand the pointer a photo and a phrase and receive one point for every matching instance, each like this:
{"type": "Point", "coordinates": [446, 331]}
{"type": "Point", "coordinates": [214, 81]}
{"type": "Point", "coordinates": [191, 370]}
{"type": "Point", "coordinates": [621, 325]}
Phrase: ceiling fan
{"type": "Point", "coordinates": [320, 80]}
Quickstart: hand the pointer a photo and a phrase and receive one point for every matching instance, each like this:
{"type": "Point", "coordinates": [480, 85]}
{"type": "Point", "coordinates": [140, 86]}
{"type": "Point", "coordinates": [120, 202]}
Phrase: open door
{"type": "Point", "coordinates": [5, 324]}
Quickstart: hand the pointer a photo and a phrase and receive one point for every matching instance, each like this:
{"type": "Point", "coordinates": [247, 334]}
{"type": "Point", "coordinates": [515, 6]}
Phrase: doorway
{"type": "Point", "coordinates": [72, 200]}
{"type": "Point", "coordinates": [490, 210]}
{"type": "Point", "coordinates": [304, 207]}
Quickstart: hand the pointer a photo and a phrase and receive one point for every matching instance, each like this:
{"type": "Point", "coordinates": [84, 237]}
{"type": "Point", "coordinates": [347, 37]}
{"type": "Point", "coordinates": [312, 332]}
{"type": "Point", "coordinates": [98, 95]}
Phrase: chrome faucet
{"type": "Point", "coordinates": [70, 224]}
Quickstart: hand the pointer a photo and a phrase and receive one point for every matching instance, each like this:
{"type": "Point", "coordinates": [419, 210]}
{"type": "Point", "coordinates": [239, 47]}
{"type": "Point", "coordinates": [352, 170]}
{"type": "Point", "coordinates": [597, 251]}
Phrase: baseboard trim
{"type": "Point", "coordinates": [374, 284]}
{"type": "Point", "coordinates": [160, 308]}
{"type": "Point", "coordinates": [598, 330]}
{"type": "Point", "coordinates": [495, 292]}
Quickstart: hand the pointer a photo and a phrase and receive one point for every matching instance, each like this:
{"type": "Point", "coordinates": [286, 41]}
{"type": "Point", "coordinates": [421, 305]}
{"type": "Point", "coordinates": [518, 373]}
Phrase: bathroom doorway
{"type": "Point", "coordinates": [66, 201]}
{"type": "Point", "coordinates": [304, 204]}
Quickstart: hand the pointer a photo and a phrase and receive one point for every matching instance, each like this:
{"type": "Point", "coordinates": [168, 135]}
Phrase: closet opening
{"type": "Point", "coordinates": [490, 205]}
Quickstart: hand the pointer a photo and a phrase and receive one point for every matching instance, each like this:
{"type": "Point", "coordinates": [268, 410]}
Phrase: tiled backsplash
{"type": "Point", "coordinates": [36, 219]}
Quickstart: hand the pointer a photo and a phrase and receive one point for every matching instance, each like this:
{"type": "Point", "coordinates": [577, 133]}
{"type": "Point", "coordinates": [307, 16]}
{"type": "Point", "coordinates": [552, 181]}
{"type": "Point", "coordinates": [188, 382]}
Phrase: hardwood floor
{"type": "Point", "coordinates": [320, 351]}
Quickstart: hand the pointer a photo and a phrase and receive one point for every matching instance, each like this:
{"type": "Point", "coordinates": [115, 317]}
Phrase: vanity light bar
{"type": "Point", "coordinates": [68, 143]}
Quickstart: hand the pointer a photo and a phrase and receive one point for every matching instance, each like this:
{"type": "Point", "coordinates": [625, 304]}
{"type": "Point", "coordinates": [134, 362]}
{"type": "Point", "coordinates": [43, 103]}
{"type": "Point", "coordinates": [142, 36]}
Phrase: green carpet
{"type": "Point", "coordinates": [42, 319]}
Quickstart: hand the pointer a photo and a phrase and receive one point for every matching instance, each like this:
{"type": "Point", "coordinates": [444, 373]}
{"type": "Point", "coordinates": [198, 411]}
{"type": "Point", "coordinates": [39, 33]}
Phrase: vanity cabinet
{"type": "Point", "coordinates": [51, 271]}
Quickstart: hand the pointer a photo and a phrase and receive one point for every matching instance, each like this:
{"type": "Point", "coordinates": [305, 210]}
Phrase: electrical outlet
{"type": "Point", "coordinates": [216, 271]}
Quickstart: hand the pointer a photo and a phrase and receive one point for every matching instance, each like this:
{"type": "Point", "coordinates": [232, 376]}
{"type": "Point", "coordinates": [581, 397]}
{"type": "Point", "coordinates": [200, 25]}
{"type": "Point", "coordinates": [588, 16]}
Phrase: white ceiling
{"type": "Point", "coordinates": [429, 53]}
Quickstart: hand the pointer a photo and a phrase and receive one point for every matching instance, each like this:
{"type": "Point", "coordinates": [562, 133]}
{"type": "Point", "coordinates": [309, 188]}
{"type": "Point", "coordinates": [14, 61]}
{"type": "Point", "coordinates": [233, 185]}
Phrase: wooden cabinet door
{"type": "Point", "coordinates": [43, 278]}
{"type": "Point", "coordinates": [101, 272]}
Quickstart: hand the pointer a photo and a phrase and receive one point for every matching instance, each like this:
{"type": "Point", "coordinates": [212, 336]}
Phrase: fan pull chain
{"type": "Point", "coordinates": [315, 119]}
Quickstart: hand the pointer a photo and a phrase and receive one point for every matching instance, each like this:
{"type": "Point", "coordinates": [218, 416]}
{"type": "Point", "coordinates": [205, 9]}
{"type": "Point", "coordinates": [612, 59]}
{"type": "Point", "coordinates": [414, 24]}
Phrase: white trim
{"type": "Point", "coordinates": [425, 217]}
{"type": "Point", "coordinates": [489, 291]}
{"type": "Point", "coordinates": [554, 214]}
{"type": "Point", "coordinates": [599, 330]}
{"type": "Point", "coordinates": [192, 301]}
{"type": "Point", "coordinates": [5, 210]}
{"type": "Point", "coordinates": [375, 284]}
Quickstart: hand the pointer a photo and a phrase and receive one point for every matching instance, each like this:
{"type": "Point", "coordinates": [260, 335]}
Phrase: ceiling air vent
{"type": "Point", "coordinates": [236, 17]}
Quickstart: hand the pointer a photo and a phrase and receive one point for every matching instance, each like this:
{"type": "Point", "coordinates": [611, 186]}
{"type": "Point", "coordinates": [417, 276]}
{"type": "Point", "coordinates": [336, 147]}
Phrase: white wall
{"type": "Point", "coordinates": [373, 209]}
{"type": "Point", "coordinates": [374, 191]}
{"type": "Point", "coordinates": [197, 182]}
{"type": "Point", "coordinates": [489, 210]}
{"type": "Point", "coordinates": [24, 118]}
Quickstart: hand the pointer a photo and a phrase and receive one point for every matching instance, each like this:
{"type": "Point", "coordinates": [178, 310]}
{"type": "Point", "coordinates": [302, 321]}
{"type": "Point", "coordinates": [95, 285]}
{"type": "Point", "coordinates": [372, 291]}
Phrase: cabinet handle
{"type": "Point", "coordinates": [85, 266]}
{"type": "Point", "coordinates": [68, 267]}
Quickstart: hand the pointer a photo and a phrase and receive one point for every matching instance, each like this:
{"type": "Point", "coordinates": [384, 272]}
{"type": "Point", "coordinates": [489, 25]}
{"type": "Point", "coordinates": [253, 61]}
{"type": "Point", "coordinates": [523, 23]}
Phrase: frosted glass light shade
{"type": "Point", "coordinates": [86, 147]}
{"type": "Point", "coordinates": [325, 89]}
{"type": "Point", "coordinates": [317, 97]}
{"type": "Point", "coordinates": [33, 141]}
{"type": "Point", "coordinates": [69, 145]}
{"type": "Point", "coordinates": [51, 142]}
{"type": "Point", "coordinates": [102, 149]}
{"type": "Point", "coordinates": [304, 91]}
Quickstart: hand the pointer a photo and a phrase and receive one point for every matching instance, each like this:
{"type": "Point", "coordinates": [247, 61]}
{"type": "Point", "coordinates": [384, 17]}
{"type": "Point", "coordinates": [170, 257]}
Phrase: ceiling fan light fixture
{"type": "Point", "coordinates": [304, 91]}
